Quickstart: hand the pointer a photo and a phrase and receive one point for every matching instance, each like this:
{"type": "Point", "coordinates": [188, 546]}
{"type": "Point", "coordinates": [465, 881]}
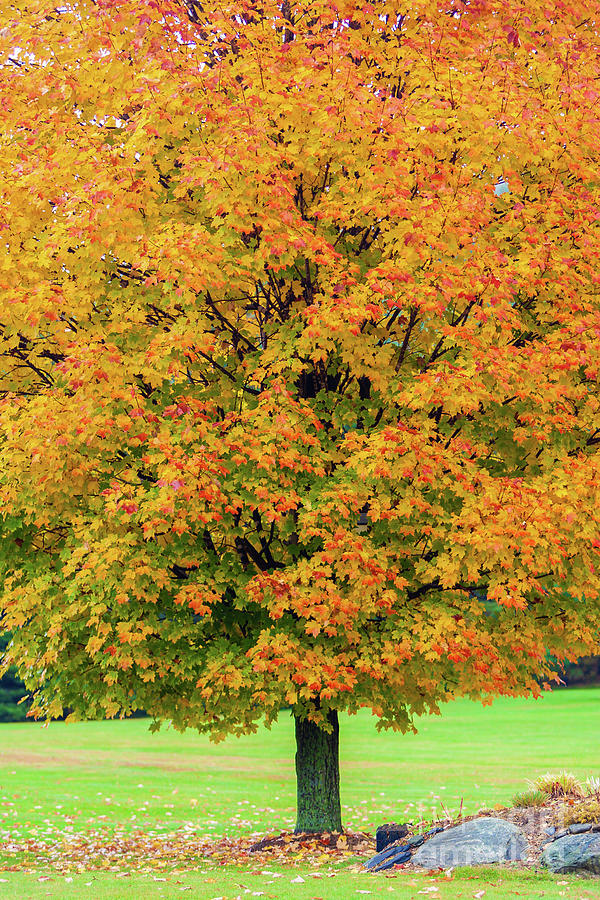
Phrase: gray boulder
{"type": "Point", "coordinates": [481, 841]}
{"type": "Point", "coordinates": [573, 853]}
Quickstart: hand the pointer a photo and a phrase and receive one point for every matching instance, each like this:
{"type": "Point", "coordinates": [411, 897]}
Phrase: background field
{"type": "Point", "coordinates": [64, 780]}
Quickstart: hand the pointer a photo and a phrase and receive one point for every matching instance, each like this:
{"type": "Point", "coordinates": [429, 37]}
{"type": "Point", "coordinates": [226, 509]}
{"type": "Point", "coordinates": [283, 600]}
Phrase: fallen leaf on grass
{"type": "Point", "coordinates": [479, 894]}
{"type": "Point", "coordinates": [123, 852]}
{"type": "Point", "coordinates": [297, 880]}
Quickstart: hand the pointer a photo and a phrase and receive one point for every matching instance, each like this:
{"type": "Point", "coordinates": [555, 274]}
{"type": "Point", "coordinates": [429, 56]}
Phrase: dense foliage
{"type": "Point", "coordinates": [267, 272]}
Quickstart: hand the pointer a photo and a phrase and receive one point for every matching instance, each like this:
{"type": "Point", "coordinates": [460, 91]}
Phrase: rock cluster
{"type": "Point", "coordinates": [574, 849]}
{"type": "Point", "coordinates": [491, 840]}
{"type": "Point", "coordinates": [480, 841]}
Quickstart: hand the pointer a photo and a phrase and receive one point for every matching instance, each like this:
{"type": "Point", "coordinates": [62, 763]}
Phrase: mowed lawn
{"type": "Point", "coordinates": [65, 780]}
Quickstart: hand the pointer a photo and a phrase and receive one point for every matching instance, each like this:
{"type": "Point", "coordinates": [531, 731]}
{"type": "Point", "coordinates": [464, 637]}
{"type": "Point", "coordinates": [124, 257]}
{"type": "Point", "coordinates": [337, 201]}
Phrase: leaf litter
{"type": "Point", "coordinates": [123, 851]}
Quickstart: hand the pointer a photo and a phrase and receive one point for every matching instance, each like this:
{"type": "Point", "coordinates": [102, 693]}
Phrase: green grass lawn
{"type": "Point", "coordinates": [317, 886]}
{"type": "Point", "coordinates": [65, 780]}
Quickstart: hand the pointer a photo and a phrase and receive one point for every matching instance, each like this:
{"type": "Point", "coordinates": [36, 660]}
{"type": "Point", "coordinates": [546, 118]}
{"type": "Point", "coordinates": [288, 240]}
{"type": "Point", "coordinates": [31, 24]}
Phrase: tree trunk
{"type": "Point", "coordinates": [318, 776]}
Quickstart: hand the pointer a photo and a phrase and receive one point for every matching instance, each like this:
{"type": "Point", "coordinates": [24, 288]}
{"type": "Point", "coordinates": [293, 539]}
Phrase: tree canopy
{"type": "Point", "coordinates": [298, 407]}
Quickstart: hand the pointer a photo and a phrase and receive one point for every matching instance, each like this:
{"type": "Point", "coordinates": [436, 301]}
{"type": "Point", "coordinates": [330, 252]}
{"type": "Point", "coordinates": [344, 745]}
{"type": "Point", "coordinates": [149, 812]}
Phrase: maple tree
{"type": "Point", "coordinates": [299, 407]}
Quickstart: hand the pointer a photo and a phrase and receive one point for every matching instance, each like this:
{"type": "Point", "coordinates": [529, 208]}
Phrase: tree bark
{"type": "Point", "coordinates": [318, 776]}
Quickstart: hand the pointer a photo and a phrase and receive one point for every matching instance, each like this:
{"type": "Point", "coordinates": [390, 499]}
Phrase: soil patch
{"type": "Point", "coordinates": [348, 842]}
